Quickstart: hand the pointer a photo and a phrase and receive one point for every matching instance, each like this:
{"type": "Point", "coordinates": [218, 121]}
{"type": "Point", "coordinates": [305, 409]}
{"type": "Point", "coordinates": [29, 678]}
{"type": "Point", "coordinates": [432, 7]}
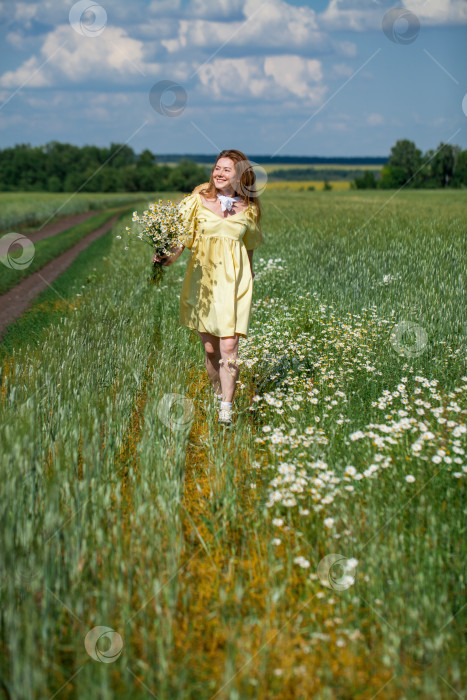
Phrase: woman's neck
{"type": "Point", "coordinates": [224, 193]}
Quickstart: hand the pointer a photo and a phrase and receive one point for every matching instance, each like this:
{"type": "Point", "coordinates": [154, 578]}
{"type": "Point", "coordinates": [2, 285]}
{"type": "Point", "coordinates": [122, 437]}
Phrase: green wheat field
{"type": "Point", "coordinates": [313, 550]}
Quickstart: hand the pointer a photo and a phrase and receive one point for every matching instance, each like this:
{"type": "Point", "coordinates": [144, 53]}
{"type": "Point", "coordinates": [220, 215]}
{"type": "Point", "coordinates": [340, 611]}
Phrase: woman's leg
{"type": "Point", "coordinates": [229, 370]}
{"type": "Point", "coordinates": [213, 355]}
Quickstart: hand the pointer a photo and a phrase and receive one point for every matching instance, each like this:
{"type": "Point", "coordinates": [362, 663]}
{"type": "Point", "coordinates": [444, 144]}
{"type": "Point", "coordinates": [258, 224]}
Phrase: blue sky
{"type": "Point", "coordinates": [292, 77]}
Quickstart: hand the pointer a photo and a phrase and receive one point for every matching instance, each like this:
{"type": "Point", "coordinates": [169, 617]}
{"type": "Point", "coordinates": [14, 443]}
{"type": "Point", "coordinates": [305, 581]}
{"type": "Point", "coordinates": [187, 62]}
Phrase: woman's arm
{"type": "Point", "coordinates": [177, 250]}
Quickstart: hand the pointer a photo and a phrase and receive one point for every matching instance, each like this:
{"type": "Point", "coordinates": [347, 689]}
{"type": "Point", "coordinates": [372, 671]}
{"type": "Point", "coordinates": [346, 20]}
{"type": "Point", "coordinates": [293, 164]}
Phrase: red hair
{"type": "Point", "coordinates": [245, 185]}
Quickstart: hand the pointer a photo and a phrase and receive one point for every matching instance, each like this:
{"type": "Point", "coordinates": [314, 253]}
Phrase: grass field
{"type": "Point", "coordinates": [48, 249]}
{"type": "Point", "coordinates": [28, 209]}
{"type": "Point", "coordinates": [315, 550]}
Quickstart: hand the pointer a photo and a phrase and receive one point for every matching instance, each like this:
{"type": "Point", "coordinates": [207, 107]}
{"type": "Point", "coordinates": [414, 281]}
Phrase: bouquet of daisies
{"type": "Point", "coordinates": [163, 226]}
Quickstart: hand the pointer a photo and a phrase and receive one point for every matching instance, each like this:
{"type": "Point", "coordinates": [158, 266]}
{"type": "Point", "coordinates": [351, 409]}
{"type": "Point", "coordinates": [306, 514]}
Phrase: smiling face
{"type": "Point", "coordinates": [224, 175]}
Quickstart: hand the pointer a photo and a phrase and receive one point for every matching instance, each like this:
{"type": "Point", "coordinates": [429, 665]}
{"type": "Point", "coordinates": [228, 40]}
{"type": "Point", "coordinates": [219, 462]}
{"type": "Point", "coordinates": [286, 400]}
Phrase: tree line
{"type": "Point", "coordinates": [62, 167]}
{"type": "Point", "coordinates": [408, 167]}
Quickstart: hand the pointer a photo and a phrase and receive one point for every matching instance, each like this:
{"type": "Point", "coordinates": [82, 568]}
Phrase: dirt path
{"type": "Point", "coordinates": [62, 224]}
{"type": "Point", "coordinates": [14, 302]}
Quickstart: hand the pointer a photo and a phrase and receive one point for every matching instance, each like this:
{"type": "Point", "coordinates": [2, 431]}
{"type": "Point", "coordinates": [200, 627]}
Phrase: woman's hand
{"type": "Point", "coordinates": [167, 260]}
{"type": "Point", "coordinates": [160, 258]}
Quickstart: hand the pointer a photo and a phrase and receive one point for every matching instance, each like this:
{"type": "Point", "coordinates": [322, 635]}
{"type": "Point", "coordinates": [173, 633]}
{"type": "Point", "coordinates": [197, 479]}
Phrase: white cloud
{"type": "Point", "coordinates": [57, 100]}
{"type": "Point", "coordinates": [345, 48]}
{"type": "Point", "coordinates": [25, 11]}
{"type": "Point", "coordinates": [356, 15]}
{"type": "Point", "coordinates": [339, 126]}
{"type": "Point", "coordinates": [296, 75]}
{"type": "Point", "coordinates": [424, 121]}
{"type": "Point", "coordinates": [375, 119]}
{"type": "Point", "coordinates": [163, 7]}
{"type": "Point", "coordinates": [206, 8]}
{"type": "Point", "coordinates": [16, 39]}
{"type": "Point", "coordinates": [323, 127]}
{"type": "Point", "coordinates": [269, 78]}
{"type": "Point", "coordinates": [343, 70]}
{"type": "Point", "coordinates": [61, 114]}
{"type": "Point", "coordinates": [139, 48]}
{"type": "Point", "coordinates": [362, 15]}
{"type": "Point", "coordinates": [50, 12]}
{"type": "Point", "coordinates": [153, 31]}
{"type": "Point", "coordinates": [66, 56]}
{"type": "Point", "coordinates": [272, 24]}
{"type": "Point", "coordinates": [239, 76]}
{"type": "Point", "coordinates": [92, 105]}
{"type": "Point", "coordinates": [103, 107]}
{"type": "Point", "coordinates": [438, 11]}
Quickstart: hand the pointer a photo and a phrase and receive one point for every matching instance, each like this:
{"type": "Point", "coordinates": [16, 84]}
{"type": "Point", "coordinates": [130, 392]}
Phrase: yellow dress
{"type": "Point", "coordinates": [218, 286]}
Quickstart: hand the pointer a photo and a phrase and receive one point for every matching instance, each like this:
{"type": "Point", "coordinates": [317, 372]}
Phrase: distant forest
{"type": "Point", "coordinates": [62, 167]}
{"type": "Point", "coordinates": [408, 167]}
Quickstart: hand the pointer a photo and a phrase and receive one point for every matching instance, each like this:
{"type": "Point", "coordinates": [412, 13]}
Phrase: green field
{"type": "Point", "coordinates": [28, 209]}
{"type": "Point", "coordinates": [47, 249]}
{"type": "Point", "coordinates": [313, 551]}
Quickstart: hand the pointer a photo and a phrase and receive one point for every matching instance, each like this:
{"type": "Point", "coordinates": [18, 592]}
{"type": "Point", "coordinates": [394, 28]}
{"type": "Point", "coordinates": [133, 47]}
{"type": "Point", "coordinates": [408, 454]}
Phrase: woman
{"type": "Point", "coordinates": [222, 230]}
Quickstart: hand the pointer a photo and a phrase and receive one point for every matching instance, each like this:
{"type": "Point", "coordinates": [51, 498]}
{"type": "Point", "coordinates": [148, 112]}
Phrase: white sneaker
{"type": "Point", "coordinates": [225, 416]}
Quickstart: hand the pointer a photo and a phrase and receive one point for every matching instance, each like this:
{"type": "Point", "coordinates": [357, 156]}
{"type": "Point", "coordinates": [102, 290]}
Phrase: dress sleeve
{"type": "Point", "coordinates": [253, 235]}
{"type": "Point", "coordinates": [188, 209]}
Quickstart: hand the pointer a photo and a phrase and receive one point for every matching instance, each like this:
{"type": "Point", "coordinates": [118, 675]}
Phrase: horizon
{"type": "Point", "coordinates": [277, 158]}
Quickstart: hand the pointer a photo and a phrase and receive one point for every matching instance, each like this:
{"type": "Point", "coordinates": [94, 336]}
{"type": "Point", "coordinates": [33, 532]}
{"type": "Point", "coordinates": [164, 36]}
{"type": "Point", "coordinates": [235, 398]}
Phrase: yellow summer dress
{"type": "Point", "coordinates": [218, 286]}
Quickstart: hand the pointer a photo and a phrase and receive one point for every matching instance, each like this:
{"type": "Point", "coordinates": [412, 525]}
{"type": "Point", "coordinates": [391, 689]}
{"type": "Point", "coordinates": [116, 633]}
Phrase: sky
{"type": "Point", "coordinates": [268, 77]}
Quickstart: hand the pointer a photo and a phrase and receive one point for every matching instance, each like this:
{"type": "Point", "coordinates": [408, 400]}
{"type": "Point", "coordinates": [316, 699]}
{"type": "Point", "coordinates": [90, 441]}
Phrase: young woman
{"type": "Point", "coordinates": [223, 229]}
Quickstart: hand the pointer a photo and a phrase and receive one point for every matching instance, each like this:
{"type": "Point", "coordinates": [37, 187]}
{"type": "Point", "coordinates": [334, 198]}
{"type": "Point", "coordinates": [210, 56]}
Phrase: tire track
{"type": "Point", "coordinates": [59, 226]}
{"type": "Point", "coordinates": [218, 558]}
{"type": "Point", "coordinates": [15, 302]}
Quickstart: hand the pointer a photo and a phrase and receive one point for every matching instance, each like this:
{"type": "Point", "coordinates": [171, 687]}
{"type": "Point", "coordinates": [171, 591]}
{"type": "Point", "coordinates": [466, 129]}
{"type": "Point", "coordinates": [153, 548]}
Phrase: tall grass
{"type": "Point", "coordinates": [208, 554]}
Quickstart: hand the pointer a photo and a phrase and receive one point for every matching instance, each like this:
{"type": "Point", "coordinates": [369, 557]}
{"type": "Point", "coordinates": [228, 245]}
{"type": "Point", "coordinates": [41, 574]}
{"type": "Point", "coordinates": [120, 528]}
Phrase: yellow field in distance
{"type": "Point", "coordinates": [303, 185]}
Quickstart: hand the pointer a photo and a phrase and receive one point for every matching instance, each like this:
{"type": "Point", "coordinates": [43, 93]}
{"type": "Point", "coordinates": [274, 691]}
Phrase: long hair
{"type": "Point", "coordinates": [244, 182]}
